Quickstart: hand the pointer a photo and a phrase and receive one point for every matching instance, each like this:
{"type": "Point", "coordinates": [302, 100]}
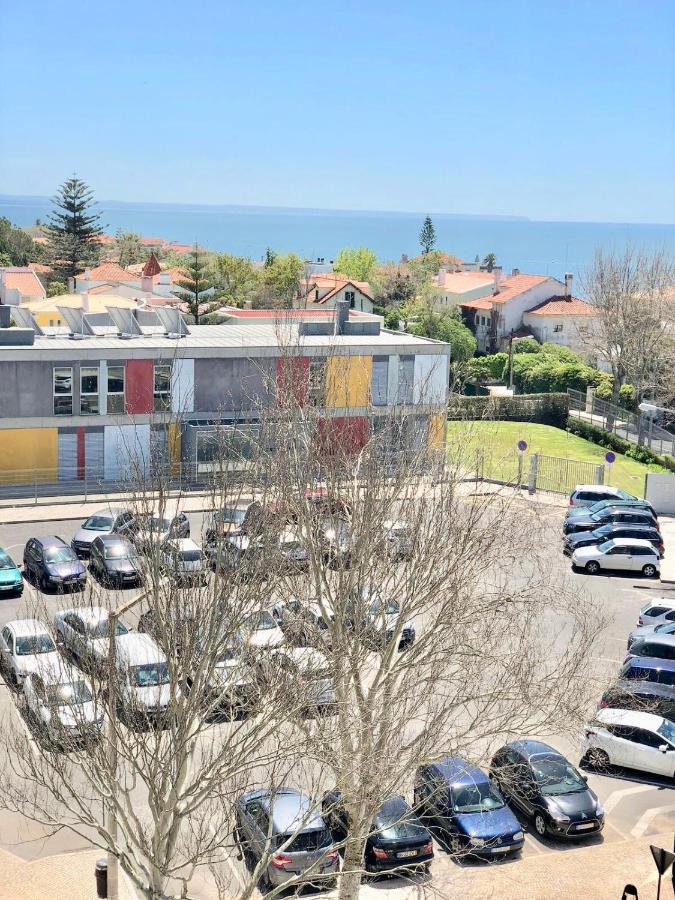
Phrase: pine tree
{"type": "Point", "coordinates": [427, 235]}
{"type": "Point", "coordinates": [195, 285]}
{"type": "Point", "coordinates": [72, 229]}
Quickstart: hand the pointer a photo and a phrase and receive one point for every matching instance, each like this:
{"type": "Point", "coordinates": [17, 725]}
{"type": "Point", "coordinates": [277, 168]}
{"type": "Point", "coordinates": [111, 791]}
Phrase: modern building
{"type": "Point", "coordinates": [89, 401]}
{"type": "Point", "coordinates": [48, 313]}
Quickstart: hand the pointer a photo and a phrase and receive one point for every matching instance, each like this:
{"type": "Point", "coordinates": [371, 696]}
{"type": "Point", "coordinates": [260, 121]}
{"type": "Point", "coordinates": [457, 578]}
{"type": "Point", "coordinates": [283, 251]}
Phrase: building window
{"type": "Point", "coordinates": [558, 327]}
{"type": "Point", "coordinates": [350, 296]}
{"type": "Point", "coordinates": [379, 381]}
{"type": "Point", "coordinates": [63, 391]}
{"type": "Point", "coordinates": [406, 374]}
{"type": "Point", "coordinates": [115, 389]}
{"type": "Point", "coordinates": [162, 388]}
{"type": "Point", "coordinates": [88, 391]}
{"type": "Point", "coordinates": [317, 381]}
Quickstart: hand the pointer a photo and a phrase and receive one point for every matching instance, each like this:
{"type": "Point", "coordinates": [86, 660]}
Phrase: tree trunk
{"type": "Point", "coordinates": [352, 868]}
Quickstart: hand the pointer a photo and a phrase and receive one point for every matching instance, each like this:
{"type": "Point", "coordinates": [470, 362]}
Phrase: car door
{"type": "Point", "coordinates": [649, 757]}
{"type": "Point", "coordinates": [258, 828]}
{"type": "Point", "coordinates": [619, 558]}
{"type": "Point", "coordinates": [6, 649]}
{"type": "Point", "coordinates": [77, 635]}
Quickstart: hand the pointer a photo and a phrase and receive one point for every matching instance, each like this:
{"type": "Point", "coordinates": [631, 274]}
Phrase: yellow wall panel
{"type": "Point", "coordinates": [348, 381]}
{"type": "Point", "coordinates": [437, 429]}
{"type": "Point", "coordinates": [174, 440]}
{"type": "Point", "coordinates": [29, 454]}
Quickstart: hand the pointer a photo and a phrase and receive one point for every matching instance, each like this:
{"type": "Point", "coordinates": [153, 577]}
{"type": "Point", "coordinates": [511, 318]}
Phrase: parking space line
{"type": "Point", "coordinates": [616, 797]}
{"type": "Point", "coordinates": [645, 820]}
{"type": "Point", "coordinates": [531, 842]}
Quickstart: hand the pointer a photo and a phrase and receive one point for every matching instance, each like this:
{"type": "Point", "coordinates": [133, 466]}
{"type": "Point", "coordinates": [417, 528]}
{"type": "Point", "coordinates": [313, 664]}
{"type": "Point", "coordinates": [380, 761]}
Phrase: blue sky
{"type": "Point", "coordinates": [554, 109]}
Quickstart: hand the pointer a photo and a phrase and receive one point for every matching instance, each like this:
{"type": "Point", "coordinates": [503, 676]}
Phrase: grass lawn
{"type": "Point", "coordinates": [492, 445]}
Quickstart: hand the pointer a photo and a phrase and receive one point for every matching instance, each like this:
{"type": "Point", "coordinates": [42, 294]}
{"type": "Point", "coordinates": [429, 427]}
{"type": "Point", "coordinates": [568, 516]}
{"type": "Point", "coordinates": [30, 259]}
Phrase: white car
{"type": "Point", "coordinates": [657, 611]}
{"type": "Point", "coordinates": [85, 633]}
{"type": "Point", "coordinates": [182, 560]}
{"type": "Point", "coordinates": [59, 699]}
{"type": "Point", "coordinates": [25, 646]}
{"type": "Point", "coordinates": [621, 554]}
{"type": "Point", "coordinates": [144, 682]}
{"type": "Point", "coordinates": [260, 631]}
{"type": "Point", "coordinates": [635, 740]}
{"type": "Point", "coordinates": [104, 521]}
{"type": "Point", "coordinates": [161, 526]}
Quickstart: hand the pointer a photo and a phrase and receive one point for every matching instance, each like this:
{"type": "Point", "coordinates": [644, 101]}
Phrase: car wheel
{"type": "Point", "coordinates": [540, 825]}
{"type": "Point", "coordinates": [597, 759]}
{"type": "Point", "coordinates": [649, 571]}
{"type": "Point", "coordinates": [592, 567]}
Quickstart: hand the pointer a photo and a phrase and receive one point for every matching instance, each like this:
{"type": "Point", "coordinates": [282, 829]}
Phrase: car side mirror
{"type": "Point", "coordinates": [664, 748]}
{"type": "Point", "coordinates": [585, 778]}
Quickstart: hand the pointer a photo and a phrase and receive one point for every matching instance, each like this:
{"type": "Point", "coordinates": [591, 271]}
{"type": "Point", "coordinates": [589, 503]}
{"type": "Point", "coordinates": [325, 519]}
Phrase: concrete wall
{"type": "Point", "coordinates": [660, 491]}
{"type": "Point", "coordinates": [124, 447]}
{"type": "Point", "coordinates": [26, 389]}
{"type": "Point", "coordinates": [233, 384]}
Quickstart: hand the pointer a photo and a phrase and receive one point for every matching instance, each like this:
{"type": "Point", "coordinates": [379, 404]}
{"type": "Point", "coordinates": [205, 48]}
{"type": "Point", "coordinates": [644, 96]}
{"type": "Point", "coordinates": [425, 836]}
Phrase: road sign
{"type": "Point", "coordinates": [522, 446]}
{"type": "Point", "coordinates": [662, 858]}
{"type": "Point", "coordinates": [610, 457]}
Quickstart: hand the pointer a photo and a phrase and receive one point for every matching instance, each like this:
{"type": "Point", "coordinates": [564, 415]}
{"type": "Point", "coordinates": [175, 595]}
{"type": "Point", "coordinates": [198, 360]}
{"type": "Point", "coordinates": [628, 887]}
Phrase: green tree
{"type": "Point", "coordinates": [72, 229]}
{"type": "Point", "coordinates": [490, 261]}
{"type": "Point", "coordinates": [197, 286]}
{"type": "Point", "coordinates": [236, 279]}
{"type": "Point", "coordinates": [391, 287]}
{"type": "Point", "coordinates": [16, 246]}
{"type": "Point", "coordinates": [270, 256]}
{"type": "Point", "coordinates": [356, 262]}
{"type": "Point", "coordinates": [129, 248]}
{"type": "Point", "coordinates": [425, 320]}
{"type": "Point", "coordinates": [5, 259]}
{"type": "Point", "coordinates": [280, 281]}
{"type": "Point", "coordinates": [56, 288]}
{"type": "Point", "coordinates": [427, 235]}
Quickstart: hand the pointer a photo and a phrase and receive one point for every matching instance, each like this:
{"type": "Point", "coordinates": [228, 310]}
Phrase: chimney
{"type": "Point", "coordinates": [568, 284]}
{"type": "Point", "coordinates": [497, 275]}
{"type": "Point", "coordinates": [341, 315]}
{"type": "Point", "coordinates": [515, 271]}
{"type": "Point", "coordinates": [146, 283]}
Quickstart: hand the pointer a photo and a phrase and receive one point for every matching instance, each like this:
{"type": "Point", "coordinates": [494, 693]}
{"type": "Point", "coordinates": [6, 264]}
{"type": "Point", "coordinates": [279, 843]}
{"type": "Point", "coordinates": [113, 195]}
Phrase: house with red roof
{"type": "Point", "coordinates": [151, 283]}
{"type": "Point", "coordinates": [20, 284]}
{"type": "Point", "coordinates": [323, 290]}
{"type": "Point", "coordinates": [518, 304]}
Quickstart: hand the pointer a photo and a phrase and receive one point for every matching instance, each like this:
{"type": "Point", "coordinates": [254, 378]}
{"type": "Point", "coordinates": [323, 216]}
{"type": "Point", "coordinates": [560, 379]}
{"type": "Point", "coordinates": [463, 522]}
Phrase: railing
{"type": "Point", "coordinates": [638, 429]}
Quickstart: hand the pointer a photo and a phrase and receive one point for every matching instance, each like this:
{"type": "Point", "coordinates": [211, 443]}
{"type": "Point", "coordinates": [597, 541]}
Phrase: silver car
{"type": "Point", "coordinates": [308, 678]}
{"type": "Point", "coordinates": [284, 824]}
{"type": "Point", "coordinates": [85, 633]}
{"type": "Point", "coordinates": [657, 646]}
{"type": "Point", "coordinates": [25, 647]}
{"type": "Point", "coordinates": [638, 634]}
{"type": "Point", "coordinates": [160, 526]}
{"type": "Point", "coordinates": [183, 561]}
{"type": "Point", "coordinates": [657, 611]}
{"type": "Point", "coordinates": [104, 521]}
{"type": "Point", "coordinates": [60, 701]}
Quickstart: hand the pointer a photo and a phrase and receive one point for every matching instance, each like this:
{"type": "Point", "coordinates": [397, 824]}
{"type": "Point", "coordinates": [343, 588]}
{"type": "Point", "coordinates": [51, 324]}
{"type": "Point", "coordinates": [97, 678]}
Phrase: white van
{"type": "Point", "coordinates": [144, 684]}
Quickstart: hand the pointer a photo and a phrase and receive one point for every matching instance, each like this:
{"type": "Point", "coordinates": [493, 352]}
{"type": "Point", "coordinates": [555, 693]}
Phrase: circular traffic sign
{"type": "Point", "coordinates": [522, 446]}
{"type": "Point", "coordinates": [610, 457]}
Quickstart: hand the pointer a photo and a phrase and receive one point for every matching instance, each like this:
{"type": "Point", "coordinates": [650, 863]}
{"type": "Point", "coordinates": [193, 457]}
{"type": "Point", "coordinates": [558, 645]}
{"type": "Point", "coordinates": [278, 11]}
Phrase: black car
{"type": "Point", "coordinates": [115, 560]}
{"type": "Point", "coordinates": [398, 840]}
{"type": "Point", "coordinates": [547, 788]}
{"type": "Point", "coordinates": [51, 563]}
{"type": "Point", "coordinates": [608, 532]}
{"type": "Point", "coordinates": [610, 516]}
{"type": "Point", "coordinates": [642, 696]}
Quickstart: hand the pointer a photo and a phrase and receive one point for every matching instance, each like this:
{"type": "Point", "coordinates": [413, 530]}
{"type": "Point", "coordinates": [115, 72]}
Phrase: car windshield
{"type": "Point", "coordinates": [667, 730]}
{"type": "Point", "coordinates": [189, 555]}
{"type": "Point", "coordinates": [388, 607]}
{"type": "Point", "coordinates": [155, 523]}
{"type": "Point", "coordinates": [150, 675]}
{"type": "Point", "coordinates": [34, 645]}
{"type": "Point", "coordinates": [666, 628]}
{"type": "Point", "coordinates": [59, 555]}
{"type": "Point", "coordinates": [98, 523]}
{"type": "Point", "coordinates": [601, 531]}
{"type": "Point", "coordinates": [316, 839]}
{"type": "Point", "coordinates": [102, 629]}
{"type": "Point", "coordinates": [6, 561]}
{"type": "Point", "coordinates": [231, 516]}
{"type": "Point", "coordinates": [625, 496]}
{"type": "Point", "coordinates": [397, 821]}
{"type": "Point", "coordinates": [555, 775]}
{"type": "Point", "coordinates": [260, 621]}
{"type": "Point", "coordinates": [68, 694]}
{"type": "Point", "coordinates": [476, 798]}
{"type": "Point", "coordinates": [227, 654]}
{"type": "Point", "coordinates": [118, 551]}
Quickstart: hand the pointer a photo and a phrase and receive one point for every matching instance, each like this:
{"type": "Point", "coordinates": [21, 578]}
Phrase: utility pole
{"type": "Point", "coordinates": [511, 362]}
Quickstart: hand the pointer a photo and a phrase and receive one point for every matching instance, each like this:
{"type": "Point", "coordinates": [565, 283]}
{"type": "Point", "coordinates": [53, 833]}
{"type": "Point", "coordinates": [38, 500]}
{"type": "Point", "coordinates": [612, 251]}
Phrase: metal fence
{"type": "Point", "coordinates": [633, 427]}
{"type": "Point", "coordinates": [561, 476]}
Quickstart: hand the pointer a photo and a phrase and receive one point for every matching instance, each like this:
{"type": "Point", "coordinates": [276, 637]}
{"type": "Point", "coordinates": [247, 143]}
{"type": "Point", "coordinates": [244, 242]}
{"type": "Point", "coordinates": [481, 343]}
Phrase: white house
{"type": "Point", "coordinates": [563, 320]}
{"type": "Point", "coordinates": [20, 284]}
{"type": "Point", "coordinates": [322, 291]}
{"type": "Point", "coordinates": [455, 288]}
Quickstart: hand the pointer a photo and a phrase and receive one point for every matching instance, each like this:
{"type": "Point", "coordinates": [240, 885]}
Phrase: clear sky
{"type": "Point", "coordinates": [554, 109]}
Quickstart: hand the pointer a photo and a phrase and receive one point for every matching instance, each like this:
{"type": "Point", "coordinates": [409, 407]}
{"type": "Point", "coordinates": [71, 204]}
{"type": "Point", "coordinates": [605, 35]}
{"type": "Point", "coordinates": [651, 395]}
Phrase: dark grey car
{"type": "Point", "coordinates": [115, 560]}
{"type": "Point", "coordinates": [51, 563]}
{"type": "Point", "coordinates": [284, 824]}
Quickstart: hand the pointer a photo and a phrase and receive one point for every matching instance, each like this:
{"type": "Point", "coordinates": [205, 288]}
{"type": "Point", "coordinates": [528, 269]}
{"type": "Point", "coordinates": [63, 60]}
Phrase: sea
{"type": "Point", "coordinates": [547, 248]}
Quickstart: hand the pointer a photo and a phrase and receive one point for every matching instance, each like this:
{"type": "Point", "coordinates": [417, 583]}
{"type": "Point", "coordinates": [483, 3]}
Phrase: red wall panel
{"type": "Point", "coordinates": [345, 435]}
{"type": "Point", "coordinates": [292, 379]}
{"type": "Point", "coordinates": [139, 386]}
{"type": "Point", "coordinates": [80, 452]}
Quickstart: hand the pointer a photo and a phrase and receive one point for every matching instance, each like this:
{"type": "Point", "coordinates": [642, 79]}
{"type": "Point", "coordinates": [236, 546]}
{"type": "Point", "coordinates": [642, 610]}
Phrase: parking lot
{"type": "Point", "coordinates": [635, 806]}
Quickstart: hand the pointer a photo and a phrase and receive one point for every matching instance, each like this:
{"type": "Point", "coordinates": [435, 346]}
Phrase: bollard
{"type": "Point", "coordinates": [101, 878]}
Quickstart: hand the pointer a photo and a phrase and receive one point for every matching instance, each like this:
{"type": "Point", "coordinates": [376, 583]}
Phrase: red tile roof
{"type": "Point", "coordinates": [24, 280]}
{"type": "Point", "coordinates": [110, 271]}
{"type": "Point", "coordinates": [40, 268]}
{"type": "Point", "coordinates": [510, 287]}
{"type": "Point", "coordinates": [334, 283]}
{"type": "Point", "coordinates": [563, 306]}
{"type": "Point", "coordinates": [459, 282]}
{"type": "Point", "coordinates": [152, 267]}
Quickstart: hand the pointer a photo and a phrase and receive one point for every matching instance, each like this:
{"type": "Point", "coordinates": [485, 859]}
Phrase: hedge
{"type": "Point", "coordinates": [613, 442]}
{"type": "Point", "coordinates": [547, 409]}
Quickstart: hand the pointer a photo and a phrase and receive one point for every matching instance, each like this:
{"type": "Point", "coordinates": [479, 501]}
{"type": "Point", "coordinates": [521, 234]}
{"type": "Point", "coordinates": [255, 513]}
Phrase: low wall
{"type": "Point", "coordinates": [660, 491]}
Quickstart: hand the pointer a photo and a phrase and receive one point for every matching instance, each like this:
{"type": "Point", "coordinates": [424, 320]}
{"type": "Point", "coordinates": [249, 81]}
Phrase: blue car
{"type": "Point", "coordinates": [11, 581]}
{"type": "Point", "coordinates": [655, 671]}
{"type": "Point", "coordinates": [467, 809]}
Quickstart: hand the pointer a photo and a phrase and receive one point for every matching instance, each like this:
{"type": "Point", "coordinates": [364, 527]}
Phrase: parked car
{"type": "Point", "coordinates": [585, 495]}
{"type": "Point", "coordinates": [378, 619]}
{"type": "Point", "coordinates": [397, 840]}
{"type": "Point", "coordinates": [227, 520]}
{"type": "Point", "coordinates": [657, 611]}
{"type": "Point", "coordinates": [85, 633]}
{"type": "Point", "coordinates": [233, 686]}
{"type": "Point", "coordinates": [398, 539]}
{"type": "Point", "coordinates": [643, 631]}
{"type": "Point", "coordinates": [174, 633]}
{"type": "Point", "coordinates": [115, 560]}
{"type": "Point", "coordinates": [581, 539]}
{"type": "Point", "coordinates": [11, 580]}
{"type": "Point", "coordinates": [609, 516]}
{"type": "Point", "coordinates": [656, 646]}
{"type": "Point", "coordinates": [304, 676]}
{"type": "Point", "coordinates": [51, 563]}
{"type": "Point", "coordinates": [644, 668]}
{"type": "Point", "coordinates": [458, 799]}
{"type": "Point", "coordinates": [304, 624]}
{"type": "Point", "coordinates": [159, 526]}
{"type": "Point", "coordinates": [284, 821]}
{"type": "Point", "coordinates": [634, 740]}
{"type": "Point", "coordinates": [547, 788]}
{"type": "Point", "coordinates": [621, 554]}
{"type": "Point", "coordinates": [60, 701]}
{"type": "Point", "coordinates": [183, 562]}
{"type": "Point", "coordinates": [640, 695]}
{"type": "Point", "coordinates": [259, 631]}
{"type": "Point", "coordinates": [574, 512]}
{"type": "Point", "coordinates": [336, 540]}
{"type": "Point", "coordinates": [105, 521]}
{"type": "Point", "coordinates": [25, 647]}
{"type": "Point", "coordinates": [144, 689]}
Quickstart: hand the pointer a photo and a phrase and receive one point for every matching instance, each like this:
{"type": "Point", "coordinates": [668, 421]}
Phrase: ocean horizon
{"type": "Point", "coordinates": [548, 248]}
